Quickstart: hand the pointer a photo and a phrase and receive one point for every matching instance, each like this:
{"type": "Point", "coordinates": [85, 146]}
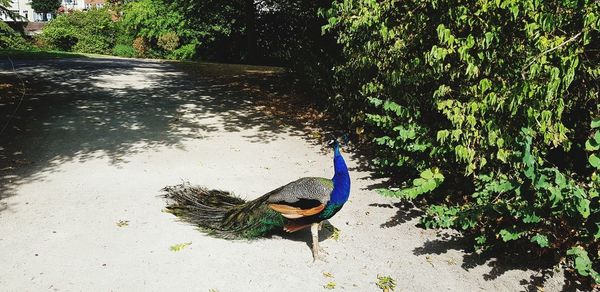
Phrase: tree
{"type": "Point", "coordinates": [45, 6]}
{"type": "Point", "coordinates": [5, 9]}
{"type": "Point", "coordinates": [486, 112]}
{"type": "Point", "coordinates": [90, 31]}
{"type": "Point", "coordinates": [276, 32]}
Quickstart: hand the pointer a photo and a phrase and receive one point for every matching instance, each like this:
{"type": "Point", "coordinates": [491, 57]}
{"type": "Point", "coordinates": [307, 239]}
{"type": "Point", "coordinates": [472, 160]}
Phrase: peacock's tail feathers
{"type": "Point", "coordinates": [221, 213]}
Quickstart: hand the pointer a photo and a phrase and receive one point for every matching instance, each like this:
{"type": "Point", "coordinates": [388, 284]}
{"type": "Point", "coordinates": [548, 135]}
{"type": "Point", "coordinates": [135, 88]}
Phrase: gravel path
{"type": "Point", "coordinates": [83, 161]}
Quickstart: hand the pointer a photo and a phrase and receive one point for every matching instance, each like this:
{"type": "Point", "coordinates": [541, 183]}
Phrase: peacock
{"type": "Point", "coordinates": [300, 204]}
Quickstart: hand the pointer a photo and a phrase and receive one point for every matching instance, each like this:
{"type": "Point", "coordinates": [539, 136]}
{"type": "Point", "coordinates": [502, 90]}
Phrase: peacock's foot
{"type": "Point", "coordinates": [319, 255]}
{"type": "Point", "coordinates": [323, 251]}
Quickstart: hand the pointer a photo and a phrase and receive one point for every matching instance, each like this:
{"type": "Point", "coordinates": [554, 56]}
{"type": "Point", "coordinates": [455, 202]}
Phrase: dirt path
{"type": "Point", "coordinates": [95, 140]}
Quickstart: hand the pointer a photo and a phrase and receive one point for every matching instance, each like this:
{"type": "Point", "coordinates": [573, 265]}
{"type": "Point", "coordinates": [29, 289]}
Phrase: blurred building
{"type": "Point", "coordinates": [23, 8]}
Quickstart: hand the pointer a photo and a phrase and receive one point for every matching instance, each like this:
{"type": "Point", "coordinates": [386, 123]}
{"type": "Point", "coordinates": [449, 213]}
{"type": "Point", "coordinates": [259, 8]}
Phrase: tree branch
{"type": "Point", "coordinates": [572, 39]}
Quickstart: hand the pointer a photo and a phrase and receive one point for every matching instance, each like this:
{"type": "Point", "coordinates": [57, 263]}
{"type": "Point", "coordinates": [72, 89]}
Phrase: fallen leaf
{"type": "Point", "coordinates": [123, 223]}
{"type": "Point", "coordinates": [335, 232]}
{"type": "Point", "coordinates": [429, 260]}
{"type": "Point", "coordinates": [386, 283]}
{"type": "Point", "coordinates": [178, 247]}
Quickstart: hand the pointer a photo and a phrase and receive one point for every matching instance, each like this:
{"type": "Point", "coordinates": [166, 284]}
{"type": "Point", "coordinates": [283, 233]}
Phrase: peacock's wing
{"type": "Point", "coordinates": [304, 197]}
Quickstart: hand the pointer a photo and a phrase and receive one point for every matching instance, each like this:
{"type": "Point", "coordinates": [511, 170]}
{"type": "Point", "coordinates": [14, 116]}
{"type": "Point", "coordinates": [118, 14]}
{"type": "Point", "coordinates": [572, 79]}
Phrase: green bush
{"type": "Point", "coordinates": [91, 31]}
{"type": "Point", "coordinates": [162, 27]}
{"type": "Point", "coordinates": [185, 52]}
{"type": "Point", "coordinates": [124, 51]}
{"type": "Point", "coordinates": [168, 41]}
{"type": "Point", "coordinates": [91, 44]}
{"type": "Point", "coordinates": [492, 105]}
{"type": "Point", "coordinates": [10, 39]}
{"type": "Point", "coordinates": [58, 38]}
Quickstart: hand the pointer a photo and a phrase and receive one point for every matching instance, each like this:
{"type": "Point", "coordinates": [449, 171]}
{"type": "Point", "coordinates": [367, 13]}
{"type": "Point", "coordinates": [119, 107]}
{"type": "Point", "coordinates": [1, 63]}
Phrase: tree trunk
{"type": "Point", "coordinates": [250, 15]}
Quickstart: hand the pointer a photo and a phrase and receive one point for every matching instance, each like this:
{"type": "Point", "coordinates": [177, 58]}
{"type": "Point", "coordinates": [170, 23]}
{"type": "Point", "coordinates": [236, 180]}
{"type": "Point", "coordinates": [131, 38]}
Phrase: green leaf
{"type": "Point", "coordinates": [584, 207]}
{"type": "Point", "coordinates": [591, 145]}
{"type": "Point", "coordinates": [419, 182]}
{"type": "Point", "coordinates": [442, 135]}
{"type": "Point", "coordinates": [386, 283]}
{"type": "Point", "coordinates": [178, 247]}
{"type": "Point", "coordinates": [509, 235]}
{"type": "Point", "coordinates": [540, 239]}
{"type": "Point", "coordinates": [527, 157]}
{"type": "Point", "coordinates": [583, 264]}
{"type": "Point", "coordinates": [427, 174]}
{"type": "Point", "coordinates": [430, 185]}
{"type": "Point", "coordinates": [595, 123]}
{"type": "Point", "coordinates": [594, 161]}
{"type": "Point", "coordinates": [531, 218]}
{"type": "Point", "coordinates": [555, 196]}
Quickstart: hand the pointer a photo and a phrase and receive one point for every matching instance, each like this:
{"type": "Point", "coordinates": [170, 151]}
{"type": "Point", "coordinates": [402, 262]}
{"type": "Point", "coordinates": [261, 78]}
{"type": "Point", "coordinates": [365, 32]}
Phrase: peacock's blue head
{"type": "Point", "coordinates": [335, 142]}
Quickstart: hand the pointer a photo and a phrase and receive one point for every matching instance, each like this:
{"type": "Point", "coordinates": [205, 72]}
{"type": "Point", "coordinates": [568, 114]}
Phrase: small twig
{"type": "Point", "coordinates": [548, 51]}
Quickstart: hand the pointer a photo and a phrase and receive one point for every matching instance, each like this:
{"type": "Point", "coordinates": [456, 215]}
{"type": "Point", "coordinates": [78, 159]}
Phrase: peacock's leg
{"type": "Point", "coordinates": [314, 230]}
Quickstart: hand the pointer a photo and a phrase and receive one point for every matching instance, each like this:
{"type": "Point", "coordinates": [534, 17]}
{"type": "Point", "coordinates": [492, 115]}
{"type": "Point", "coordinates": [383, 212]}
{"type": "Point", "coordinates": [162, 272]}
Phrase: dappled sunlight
{"type": "Point", "coordinates": [84, 109]}
{"type": "Point", "coordinates": [137, 78]}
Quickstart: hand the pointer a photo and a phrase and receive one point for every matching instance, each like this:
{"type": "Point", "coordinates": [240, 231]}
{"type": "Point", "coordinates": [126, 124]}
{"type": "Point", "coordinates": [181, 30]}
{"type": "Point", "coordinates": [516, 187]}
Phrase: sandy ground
{"type": "Point", "coordinates": [83, 161]}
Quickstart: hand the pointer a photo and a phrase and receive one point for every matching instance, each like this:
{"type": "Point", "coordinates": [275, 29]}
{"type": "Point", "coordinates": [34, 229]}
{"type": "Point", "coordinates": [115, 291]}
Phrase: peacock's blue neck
{"type": "Point", "coordinates": [341, 179]}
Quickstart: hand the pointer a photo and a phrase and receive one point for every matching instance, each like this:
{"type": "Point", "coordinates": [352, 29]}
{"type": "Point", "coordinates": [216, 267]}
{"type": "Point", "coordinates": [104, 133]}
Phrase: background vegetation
{"type": "Point", "coordinates": [45, 7]}
{"type": "Point", "coordinates": [146, 28]}
{"type": "Point", "coordinates": [80, 31]}
{"type": "Point", "coordinates": [485, 112]}
{"type": "Point", "coordinates": [10, 39]}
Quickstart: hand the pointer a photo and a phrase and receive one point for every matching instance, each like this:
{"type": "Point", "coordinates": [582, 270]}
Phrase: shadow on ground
{"type": "Point", "coordinates": [76, 109]}
{"type": "Point", "coordinates": [405, 211]}
{"type": "Point", "coordinates": [501, 261]}
{"type": "Point", "coordinates": [327, 232]}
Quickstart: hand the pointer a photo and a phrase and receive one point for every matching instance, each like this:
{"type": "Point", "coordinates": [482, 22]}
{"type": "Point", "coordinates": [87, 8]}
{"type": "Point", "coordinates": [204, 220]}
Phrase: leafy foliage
{"type": "Point", "coordinates": [124, 51]}
{"type": "Point", "coordinates": [5, 10]}
{"type": "Point", "coordinates": [90, 31]}
{"type": "Point", "coordinates": [168, 41]}
{"type": "Point", "coordinates": [224, 28]}
{"type": "Point", "coordinates": [276, 32]}
{"type": "Point", "coordinates": [10, 39]}
{"type": "Point", "coordinates": [185, 52]}
{"type": "Point", "coordinates": [490, 104]}
{"type": "Point", "coordinates": [583, 264]}
{"type": "Point", "coordinates": [45, 6]}
{"type": "Point", "coordinates": [158, 29]}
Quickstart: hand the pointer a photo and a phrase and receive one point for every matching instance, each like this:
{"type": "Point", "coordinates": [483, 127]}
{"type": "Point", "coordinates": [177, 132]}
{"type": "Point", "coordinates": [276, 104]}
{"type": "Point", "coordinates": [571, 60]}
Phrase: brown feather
{"type": "Point", "coordinates": [294, 228]}
{"type": "Point", "coordinates": [295, 212]}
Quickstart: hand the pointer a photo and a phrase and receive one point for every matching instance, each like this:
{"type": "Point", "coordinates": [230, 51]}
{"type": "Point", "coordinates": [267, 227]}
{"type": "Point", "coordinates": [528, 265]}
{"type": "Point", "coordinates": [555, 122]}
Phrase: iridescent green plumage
{"type": "Point", "coordinates": [223, 214]}
{"type": "Point", "coordinates": [299, 204]}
